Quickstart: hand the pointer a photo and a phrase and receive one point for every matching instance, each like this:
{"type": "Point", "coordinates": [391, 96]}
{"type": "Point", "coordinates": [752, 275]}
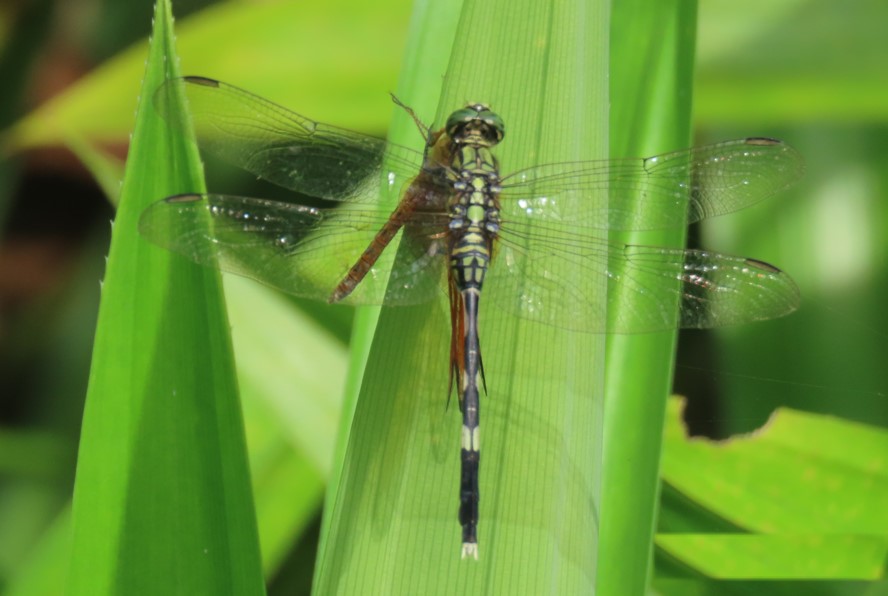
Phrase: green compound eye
{"type": "Point", "coordinates": [486, 122]}
{"type": "Point", "coordinates": [459, 118]}
{"type": "Point", "coordinates": [496, 123]}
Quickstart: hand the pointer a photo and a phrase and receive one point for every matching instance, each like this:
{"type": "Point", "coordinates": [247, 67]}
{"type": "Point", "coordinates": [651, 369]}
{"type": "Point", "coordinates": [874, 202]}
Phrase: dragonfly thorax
{"type": "Point", "coordinates": [474, 213]}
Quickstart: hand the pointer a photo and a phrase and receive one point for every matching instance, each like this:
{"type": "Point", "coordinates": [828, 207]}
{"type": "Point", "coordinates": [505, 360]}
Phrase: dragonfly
{"type": "Point", "coordinates": [464, 230]}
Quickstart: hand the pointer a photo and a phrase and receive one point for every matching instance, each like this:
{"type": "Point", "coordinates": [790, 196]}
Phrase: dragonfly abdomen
{"type": "Point", "coordinates": [469, 259]}
{"type": "Point", "coordinates": [470, 447]}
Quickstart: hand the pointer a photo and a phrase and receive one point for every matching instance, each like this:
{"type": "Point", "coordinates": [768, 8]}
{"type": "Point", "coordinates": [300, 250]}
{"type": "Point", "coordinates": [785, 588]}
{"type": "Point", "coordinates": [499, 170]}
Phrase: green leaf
{"type": "Point", "coordinates": [783, 557]}
{"type": "Point", "coordinates": [392, 522]}
{"type": "Point", "coordinates": [650, 94]}
{"type": "Point", "coordinates": [685, 587]}
{"type": "Point", "coordinates": [162, 498]}
{"type": "Point", "coordinates": [291, 375]}
{"type": "Point", "coordinates": [46, 569]}
{"type": "Point", "coordinates": [781, 480]}
{"type": "Point", "coordinates": [809, 488]}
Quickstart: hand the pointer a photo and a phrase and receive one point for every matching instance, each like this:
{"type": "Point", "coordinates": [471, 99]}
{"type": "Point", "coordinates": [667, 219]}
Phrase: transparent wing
{"type": "Point", "coordinates": [301, 250]}
{"type": "Point", "coordinates": [285, 148]}
{"type": "Point", "coordinates": [549, 271]}
{"type": "Point", "coordinates": [661, 192]}
{"type": "Point", "coordinates": [547, 274]}
{"type": "Point", "coordinates": [558, 277]}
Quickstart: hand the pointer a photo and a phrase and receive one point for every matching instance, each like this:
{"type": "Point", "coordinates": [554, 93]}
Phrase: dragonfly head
{"type": "Point", "coordinates": [475, 124]}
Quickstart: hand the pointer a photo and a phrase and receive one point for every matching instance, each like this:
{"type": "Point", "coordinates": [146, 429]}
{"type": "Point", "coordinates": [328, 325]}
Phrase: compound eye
{"type": "Point", "coordinates": [495, 126]}
{"type": "Point", "coordinates": [459, 118]}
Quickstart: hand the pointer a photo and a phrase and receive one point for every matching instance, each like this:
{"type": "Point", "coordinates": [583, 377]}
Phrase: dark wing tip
{"type": "Point", "coordinates": [207, 82]}
{"type": "Point", "coordinates": [763, 141]}
{"type": "Point", "coordinates": [763, 265]}
{"type": "Point", "coordinates": [796, 164]}
{"type": "Point", "coordinates": [183, 198]}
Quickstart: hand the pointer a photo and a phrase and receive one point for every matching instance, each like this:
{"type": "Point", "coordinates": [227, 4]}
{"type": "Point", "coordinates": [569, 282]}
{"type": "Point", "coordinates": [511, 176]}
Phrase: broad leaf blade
{"type": "Point", "coordinates": [805, 498]}
{"type": "Point", "coordinates": [162, 497]}
{"type": "Point", "coordinates": [392, 524]}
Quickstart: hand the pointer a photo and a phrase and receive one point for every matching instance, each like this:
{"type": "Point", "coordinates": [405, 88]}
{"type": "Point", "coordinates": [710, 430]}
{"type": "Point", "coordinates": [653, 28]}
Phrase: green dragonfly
{"type": "Point", "coordinates": [525, 238]}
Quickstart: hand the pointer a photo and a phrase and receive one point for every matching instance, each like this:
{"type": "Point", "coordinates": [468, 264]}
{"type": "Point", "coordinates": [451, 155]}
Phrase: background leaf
{"type": "Point", "coordinates": [793, 508]}
{"type": "Point", "coordinates": [650, 115]}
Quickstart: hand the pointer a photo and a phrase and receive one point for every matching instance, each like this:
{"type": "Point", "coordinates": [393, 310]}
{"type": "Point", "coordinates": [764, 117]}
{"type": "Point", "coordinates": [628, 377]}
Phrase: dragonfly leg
{"type": "Point", "coordinates": [424, 130]}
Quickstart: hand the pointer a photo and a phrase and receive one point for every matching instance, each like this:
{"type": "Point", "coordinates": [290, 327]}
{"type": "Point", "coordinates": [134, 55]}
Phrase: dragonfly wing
{"type": "Point", "coordinates": [660, 192]}
{"type": "Point", "coordinates": [301, 250]}
{"type": "Point", "coordinates": [716, 290]}
{"type": "Point", "coordinates": [540, 278]}
{"type": "Point", "coordinates": [285, 148]}
{"type": "Point", "coordinates": [578, 282]}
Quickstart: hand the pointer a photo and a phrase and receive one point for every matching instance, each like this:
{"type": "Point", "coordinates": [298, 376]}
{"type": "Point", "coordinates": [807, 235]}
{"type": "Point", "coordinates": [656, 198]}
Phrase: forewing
{"type": "Point", "coordinates": [660, 192]}
{"type": "Point", "coordinates": [288, 149]}
{"type": "Point", "coordinates": [298, 249]}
